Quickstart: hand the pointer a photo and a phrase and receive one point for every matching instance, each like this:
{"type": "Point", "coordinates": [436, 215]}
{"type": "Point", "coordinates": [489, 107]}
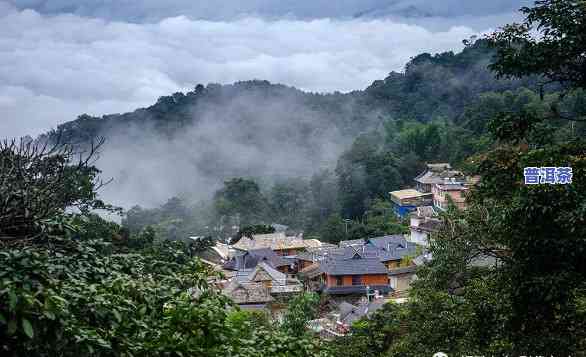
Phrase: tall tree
{"type": "Point", "coordinates": [241, 202]}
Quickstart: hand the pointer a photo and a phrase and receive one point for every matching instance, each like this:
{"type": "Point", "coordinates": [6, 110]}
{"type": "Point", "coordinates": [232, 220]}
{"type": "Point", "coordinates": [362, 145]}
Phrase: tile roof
{"type": "Point", "coordinates": [439, 166]}
{"type": "Point", "coordinates": [275, 241]}
{"type": "Point", "coordinates": [451, 186]}
{"type": "Point", "coordinates": [424, 211]}
{"type": "Point", "coordinates": [350, 313]}
{"type": "Point", "coordinates": [408, 193]}
{"type": "Point", "coordinates": [352, 262]}
{"type": "Point", "coordinates": [403, 270]}
{"type": "Point", "coordinates": [393, 247]}
{"type": "Point", "coordinates": [252, 258]}
{"type": "Point", "coordinates": [436, 173]}
{"type": "Point", "coordinates": [430, 225]}
{"type": "Point", "coordinates": [276, 276]}
{"type": "Point", "coordinates": [247, 292]}
{"type": "Point", "coordinates": [346, 243]}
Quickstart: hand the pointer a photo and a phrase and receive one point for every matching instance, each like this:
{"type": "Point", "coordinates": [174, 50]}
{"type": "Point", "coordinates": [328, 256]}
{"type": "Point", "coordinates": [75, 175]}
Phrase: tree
{"type": "Point", "coordinates": [333, 230]}
{"type": "Point", "coordinates": [39, 181]}
{"type": "Point", "coordinates": [301, 309]}
{"type": "Point", "coordinates": [78, 294]}
{"type": "Point", "coordinates": [241, 200]}
{"type": "Point", "coordinates": [288, 202]}
{"type": "Point", "coordinates": [372, 335]}
{"type": "Point", "coordinates": [549, 43]}
{"type": "Point", "coordinates": [249, 231]}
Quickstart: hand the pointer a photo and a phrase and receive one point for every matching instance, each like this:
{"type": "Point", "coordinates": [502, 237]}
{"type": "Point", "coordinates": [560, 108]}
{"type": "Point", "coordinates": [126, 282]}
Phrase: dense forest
{"type": "Point", "coordinates": [259, 153]}
{"type": "Point", "coordinates": [73, 283]}
{"type": "Point", "coordinates": [269, 132]}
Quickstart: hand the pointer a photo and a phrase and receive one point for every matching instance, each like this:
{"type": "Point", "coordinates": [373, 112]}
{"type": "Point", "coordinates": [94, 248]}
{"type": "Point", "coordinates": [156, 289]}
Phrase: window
{"type": "Point", "coordinates": [339, 280]}
{"type": "Point", "coordinates": [356, 279]}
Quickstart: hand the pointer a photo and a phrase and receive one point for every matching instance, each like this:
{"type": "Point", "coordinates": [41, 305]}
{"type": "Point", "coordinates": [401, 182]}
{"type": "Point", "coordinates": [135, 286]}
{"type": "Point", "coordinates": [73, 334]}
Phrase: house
{"type": "Point", "coordinates": [278, 242]}
{"type": "Point", "coordinates": [449, 190]}
{"type": "Point", "coordinates": [338, 322]}
{"type": "Point", "coordinates": [260, 285]}
{"type": "Point", "coordinates": [400, 278]}
{"type": "Point", "coordinates": [405, 201]}
{"type": "Point", "coordinates": [423, 222]}
{"type": "Point", "coordinates": [391, 250]}
{"type": "Point", "coordinates": [250, 259]}
{"type": "Point", "coordinates": [435, 173]}
{"type": "Point", "coordinates": [312, 255]}
{"type": "Point", "coordinates": [217, 254]}
{"type": "Point", "coordinates": [351, 242]}
{"type": "Point", "coordinates": [352, 272]}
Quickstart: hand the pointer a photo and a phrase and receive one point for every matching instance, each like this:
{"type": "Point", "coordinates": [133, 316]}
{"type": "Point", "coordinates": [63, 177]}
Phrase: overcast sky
{"type": "Point", "coordinates": [61, 58]}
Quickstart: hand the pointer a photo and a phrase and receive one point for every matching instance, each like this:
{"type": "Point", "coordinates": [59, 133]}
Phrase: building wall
{"type": "Point", "coordinates": [392, 264]}
{"type": "Point", "coordinates": [440, 198]}
{"type": "Point", "coordinates": [371, 279]}
{"type": "Point", "coordinates": [287, 252]}
{"type": "Point", "coordinates": [401, 282]}
{"type": "Point", "coordinates": [304, 264]}
{"type": "Point", "coordinates": [403, 211]}
{"type": "Point", "coordinates": [419, 237]}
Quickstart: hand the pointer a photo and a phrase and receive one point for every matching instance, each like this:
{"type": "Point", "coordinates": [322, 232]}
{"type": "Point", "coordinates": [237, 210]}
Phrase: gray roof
{"type": "Point", "coordinates": [352, 262]}
{"type": "Point", "coordinates": [252, 258]}
{"type": "Point", "coordinates": [404, 270]}
{"type": "Point", "coordinates": [392, 247]}
{"type": "Point", "coordinates": [346, 243]}
{"type": "Point", "coordinates": [350, 313]}
{"type": "Point", "coordinates": [430, 225]}
{"type": "Point", "coordinates": [436, 173]}
{"type": "Point", "coordinates": [424, 211]}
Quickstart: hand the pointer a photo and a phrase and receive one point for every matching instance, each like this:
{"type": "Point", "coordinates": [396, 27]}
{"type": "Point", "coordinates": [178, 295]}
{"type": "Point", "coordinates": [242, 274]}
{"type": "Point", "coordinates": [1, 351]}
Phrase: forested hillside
{"type": "Point", "coordinates": [263, 130]}
{"type": "Point", "coordinates": [307, 160]}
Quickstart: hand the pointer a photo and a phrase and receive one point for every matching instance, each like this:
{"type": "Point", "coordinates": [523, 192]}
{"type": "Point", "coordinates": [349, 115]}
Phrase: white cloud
{"type": "Point", "coordinates": [145, 10]}
{"type": "Point", "coordinates": [55, 67]}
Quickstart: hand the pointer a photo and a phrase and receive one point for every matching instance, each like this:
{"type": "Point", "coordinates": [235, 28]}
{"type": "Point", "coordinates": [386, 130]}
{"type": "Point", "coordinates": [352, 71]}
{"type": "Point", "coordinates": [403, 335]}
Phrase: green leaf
{"type": "Point", "coordinates": [50, 315]}
{"type": "Point", "coordinates": [2, 319]}
{"type": "Point", "coordinates": [12, 326]}
{"type": "Point", "coordinates": [28, 328]}
{"type": "Point", "coordinates": [117, 315]}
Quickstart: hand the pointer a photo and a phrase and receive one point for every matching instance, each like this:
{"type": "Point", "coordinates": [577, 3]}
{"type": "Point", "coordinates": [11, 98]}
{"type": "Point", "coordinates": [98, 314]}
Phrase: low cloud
{"type": "Point", "coordinates": [53, 68]}
{"type": "Point", "coordinates": [154, 10]}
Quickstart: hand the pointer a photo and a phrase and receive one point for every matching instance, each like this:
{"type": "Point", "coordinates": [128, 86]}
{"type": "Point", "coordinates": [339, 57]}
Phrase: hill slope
{"type": "Point", "coordinates": [190, 142]}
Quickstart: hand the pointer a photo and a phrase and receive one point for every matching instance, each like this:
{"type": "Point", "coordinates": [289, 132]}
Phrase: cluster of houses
{"type": "Point", "coordinates": [264, 270]}
{"type": "Point", "coordinates": [436, 187]}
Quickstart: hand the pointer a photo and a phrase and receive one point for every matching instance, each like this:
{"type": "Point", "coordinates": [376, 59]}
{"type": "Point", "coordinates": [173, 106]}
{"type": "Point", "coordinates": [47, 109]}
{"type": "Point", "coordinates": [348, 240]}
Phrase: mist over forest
{"type": "Point", "coordinates": [187, 144]}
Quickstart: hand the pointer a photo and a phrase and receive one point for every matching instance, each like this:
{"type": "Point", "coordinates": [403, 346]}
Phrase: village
{"type": "Point", "coordinates": [355, 277]}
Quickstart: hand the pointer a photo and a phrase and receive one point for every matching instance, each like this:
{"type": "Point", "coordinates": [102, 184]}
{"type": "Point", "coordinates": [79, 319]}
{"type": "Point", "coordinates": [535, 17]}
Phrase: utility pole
{"type": "Point", "coordinates": [346, 221]}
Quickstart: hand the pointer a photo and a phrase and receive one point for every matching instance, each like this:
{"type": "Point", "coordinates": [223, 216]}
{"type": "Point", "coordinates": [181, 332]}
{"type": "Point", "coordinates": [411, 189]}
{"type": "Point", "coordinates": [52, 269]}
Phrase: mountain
{"type": "Point", "coordinates": [188, 143]}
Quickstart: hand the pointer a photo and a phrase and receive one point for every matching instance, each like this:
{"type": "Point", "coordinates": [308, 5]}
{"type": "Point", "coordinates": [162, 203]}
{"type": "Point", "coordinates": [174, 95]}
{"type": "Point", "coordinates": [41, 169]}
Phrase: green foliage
{"type": "Point", "coordinates": [39, 182]}
{"type": "Point", "coordinates": [550, 42]}
{"type": "Point", "coordinates": [289, 201]}
{"type": "Point", "coordinates": [241, 202]}
{"type": "Point", "coordinates": [201, 244]}
{"type": "Point", "coordinates": [249, 231]}
{"type": "Point", "coordinates": [372, 335]}
{"type": "Point", "coordinates": [301, 309]}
